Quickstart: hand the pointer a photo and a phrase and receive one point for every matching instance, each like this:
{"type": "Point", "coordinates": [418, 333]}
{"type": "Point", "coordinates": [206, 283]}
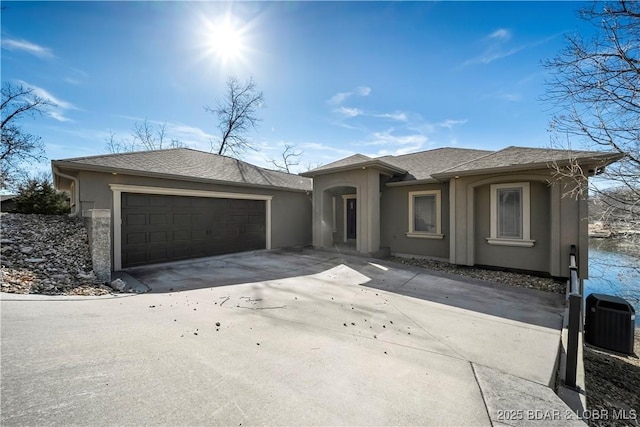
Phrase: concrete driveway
{"type": "Point", "coordinates": [284, 338]}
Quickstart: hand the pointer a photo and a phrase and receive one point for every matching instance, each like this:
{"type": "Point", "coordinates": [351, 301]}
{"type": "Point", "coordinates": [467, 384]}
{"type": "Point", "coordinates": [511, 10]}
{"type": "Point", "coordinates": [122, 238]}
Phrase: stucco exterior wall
{"type": "Point", "coordinates": [366, 183]}
{"type": "Point", "coordinates": [290, 210]}
{"type": "Point", "coordinates": [535, 258]}
{"type": "Point", "coordinates": [567, 225]}
{"type": "Point", "coordinates": [394, 222]}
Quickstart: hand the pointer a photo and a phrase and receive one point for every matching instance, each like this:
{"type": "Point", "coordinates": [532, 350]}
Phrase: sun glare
{"type": "Point", "coordinates": [226, 40]}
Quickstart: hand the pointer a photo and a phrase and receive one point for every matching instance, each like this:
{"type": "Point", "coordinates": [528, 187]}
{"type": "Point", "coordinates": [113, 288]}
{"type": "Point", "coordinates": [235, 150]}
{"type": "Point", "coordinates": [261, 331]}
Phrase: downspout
{"type": "Point", "coordinates": [76, 190]}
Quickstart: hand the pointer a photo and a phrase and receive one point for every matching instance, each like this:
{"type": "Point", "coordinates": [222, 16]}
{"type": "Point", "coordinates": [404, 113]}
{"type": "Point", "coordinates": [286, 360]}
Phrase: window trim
{"type": "Point", "coordinates": [412, 233]}
{"type": "Point", "coordinates": [525, 241]}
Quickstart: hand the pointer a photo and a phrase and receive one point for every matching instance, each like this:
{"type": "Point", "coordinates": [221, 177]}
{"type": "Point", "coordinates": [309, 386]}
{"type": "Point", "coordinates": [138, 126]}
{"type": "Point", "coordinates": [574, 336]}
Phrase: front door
{"type": "Point", "coordinates": [351, 218]}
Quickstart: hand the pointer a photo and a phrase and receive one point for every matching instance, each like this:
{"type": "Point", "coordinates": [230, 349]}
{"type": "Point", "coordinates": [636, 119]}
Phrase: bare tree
{"type": "Point", "coordinates": [144, 137]}
{"type": "Point", "coordinates": [595, 89]}
{"type": "Point", "coordinates": [288, 158]}
{"type": "Point", "coordinates": [312, 165]}
{"type": "Point", "coordinates": [18, 146]}
{"type": "Point", "coordinates": [236, 114]}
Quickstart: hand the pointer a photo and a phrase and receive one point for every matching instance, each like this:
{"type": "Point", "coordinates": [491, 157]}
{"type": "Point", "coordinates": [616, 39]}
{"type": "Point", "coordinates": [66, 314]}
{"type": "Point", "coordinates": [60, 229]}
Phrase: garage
{"type": "Point", "coordinates": [160, 227]}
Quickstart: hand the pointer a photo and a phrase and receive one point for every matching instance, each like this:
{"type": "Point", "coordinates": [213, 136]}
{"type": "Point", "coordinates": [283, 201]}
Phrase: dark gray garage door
{"type": "Point", "coordinates": [158, 228]}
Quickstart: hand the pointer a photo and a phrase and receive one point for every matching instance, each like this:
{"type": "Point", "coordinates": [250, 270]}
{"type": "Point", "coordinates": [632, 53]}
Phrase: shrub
{"type": "Point", "coordinates": [39, 197]}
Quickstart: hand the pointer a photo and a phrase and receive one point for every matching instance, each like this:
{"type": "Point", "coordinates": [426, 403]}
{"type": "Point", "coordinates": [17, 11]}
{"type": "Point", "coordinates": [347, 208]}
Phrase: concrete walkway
{"type": "Point", "coordinates": [284, 338]}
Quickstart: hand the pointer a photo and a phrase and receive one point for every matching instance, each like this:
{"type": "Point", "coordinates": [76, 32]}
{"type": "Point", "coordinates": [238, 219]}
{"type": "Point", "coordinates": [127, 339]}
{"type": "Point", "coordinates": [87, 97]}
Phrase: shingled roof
{"type": "Point", "coordinates": [356, 161]}
{"type": "Point", "coordinates": [520, 158]}
{"type": "Point", "coordinates": [188, 163]}
{"type": "Point", "coordinates": [422, 165]}
{"type": "Point", "coordinates": [442, 163]}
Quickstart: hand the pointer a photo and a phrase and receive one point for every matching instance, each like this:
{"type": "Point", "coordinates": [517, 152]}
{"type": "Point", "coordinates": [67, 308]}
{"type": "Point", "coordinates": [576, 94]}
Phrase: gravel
{"type": "Point", "coordinates": [514, 279]}
{"type": "Point", "coordinates": [46, 254]}
{"type": "Point", "coordinates": [613, 386]}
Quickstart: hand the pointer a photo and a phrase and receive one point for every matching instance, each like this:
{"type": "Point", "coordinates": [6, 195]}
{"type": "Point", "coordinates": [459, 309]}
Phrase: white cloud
{"type": "Point", "coordinates": [59, 107]}
{"type": "Point", "coordinates": [315, 146]}
{"type": "Point", "coordinates": [56, 115]}
{"type": "Point", "coordinates": [43, 93]}
{"type": "Point", "coordinates": [388, 138]}
{"type": "Point", "coordinates": [27, 46]}
{"type": "Point", "coordinates": [338, 98]}
{"type": "Point", "coordinates": [349, 112]}
{"type": "Point", "coordinates": [190, 135]}
{"type": "Point", "coordinates": [500, 33]}
{"type": "Point", "coordinates": [77, 77]}
{"type": "Point", "coordinates": [496, 47]}
{"type": "Point", "coordinates": [363, 90]}
{"type": "Point", "coordinates": [450, 123]}
{"type": "Point", "coordinates": [399, 116]}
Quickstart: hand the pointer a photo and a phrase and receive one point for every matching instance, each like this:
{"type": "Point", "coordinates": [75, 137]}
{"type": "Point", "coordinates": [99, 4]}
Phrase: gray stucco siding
{"type": "Point", "coordinates": [365, 183]}
{"type": "Point", "coordinates": [535, 258]}
{"type": "Point", "coordinates": [290, 210]}
{"type": "Point", "coordinates": [394, 222]}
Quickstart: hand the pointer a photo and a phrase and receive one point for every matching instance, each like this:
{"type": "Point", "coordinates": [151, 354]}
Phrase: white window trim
{"type": "Point", "coordinates": [118, 189]}
{"type": "Point", "coordinates": [344, 214]}
{"type": "Point", "coordinates": [412, 233]}
{"type": "Point", "coordinates": [526, 216]}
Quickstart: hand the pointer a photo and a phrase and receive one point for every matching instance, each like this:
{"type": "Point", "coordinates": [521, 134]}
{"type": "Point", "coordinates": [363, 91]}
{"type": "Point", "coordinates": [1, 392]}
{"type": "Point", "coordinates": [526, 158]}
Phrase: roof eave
{"type": "Point", "coordinates": [414, 182]}
{"type": "Point", "coordinates": [112, 170]}
{"type": "Point", "coordinates": [599, 160]}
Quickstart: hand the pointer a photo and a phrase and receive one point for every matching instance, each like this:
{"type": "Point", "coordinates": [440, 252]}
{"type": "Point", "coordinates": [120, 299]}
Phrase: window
{"type": "Point", "coordinates": [510, 215]}
{"type": "Point", "coordinates": [424, 215]}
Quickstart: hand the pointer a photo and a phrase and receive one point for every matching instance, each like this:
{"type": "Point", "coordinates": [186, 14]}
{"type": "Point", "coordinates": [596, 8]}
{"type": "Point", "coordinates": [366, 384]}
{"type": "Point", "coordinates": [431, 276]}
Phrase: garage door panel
{"type": "Point", "coordinates": [199, 220]}
{"type": "Point", "coordinates": [159, 201]}
{"type": "Point", "coordinates": [181, 235]}
{"type": "Point", "coordinates": [135, 200]}
{"type": "Point", "coordinates": [136, 238]}
{"type": "Point", "coordinates": [159, 228]}
{"type": "Point", "coordinates": [182, 219]}
{"type": "Point", "coordinates": [218, 231]}
{"type": "Point", "coordinates": [158, 254]}
{"type": "Point", "coordinates": [238, 219]}
{"type": "Point", "coordinates": [132, 257]}
{"type": "Point", "coordinates": [158, 219]}
{"type": "Point", "coordinates": [158, 237]}
{"type": "Point", "coordinates": [136, 219]}
{"type": "Point", "coordinates": [181, 251]}
{"type": "Point", "coordinates": [255, 219]}
{"type": "Point", "coordinates": [232, 231]}
{"type": "Point", "coordinates": [199, 249]}
{"type": "Point", "coordinates": [197, 235]}
{"type": "Point", "coordinates": [254, 228]}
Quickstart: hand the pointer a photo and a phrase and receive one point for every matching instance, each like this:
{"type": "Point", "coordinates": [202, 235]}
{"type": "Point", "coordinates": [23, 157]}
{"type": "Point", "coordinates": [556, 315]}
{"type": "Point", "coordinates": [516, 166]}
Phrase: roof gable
{"type": "Point", "coordinates": [347, 161]}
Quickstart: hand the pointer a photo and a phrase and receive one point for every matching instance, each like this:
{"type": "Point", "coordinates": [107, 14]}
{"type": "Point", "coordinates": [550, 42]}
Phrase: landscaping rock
{"type": "Point", "coordinates": [546, 284]}
{"type": "Point", "coordinates": [118, 285]}
{"type": "Point", "coordinates": [46, 254]}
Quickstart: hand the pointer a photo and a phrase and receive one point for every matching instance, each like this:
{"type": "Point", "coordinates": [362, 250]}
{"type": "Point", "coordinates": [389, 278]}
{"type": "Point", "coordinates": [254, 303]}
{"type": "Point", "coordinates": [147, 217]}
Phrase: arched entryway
{"type": "Point", "coordinates": [343, 202]}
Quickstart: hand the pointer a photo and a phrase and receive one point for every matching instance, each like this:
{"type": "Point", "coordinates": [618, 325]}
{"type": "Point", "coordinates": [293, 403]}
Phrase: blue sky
{"type": "Point", "coordinates": [338, 78]}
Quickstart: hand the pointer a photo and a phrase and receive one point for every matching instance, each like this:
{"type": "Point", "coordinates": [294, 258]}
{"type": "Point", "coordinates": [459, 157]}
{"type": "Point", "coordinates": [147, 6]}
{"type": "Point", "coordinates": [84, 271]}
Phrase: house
{"type": "Point", "coordinates": [471, 207]}
{"type": "Point", "coordinates": [504, 209]}
{"type": "Point", "coordinates": [166, 205]}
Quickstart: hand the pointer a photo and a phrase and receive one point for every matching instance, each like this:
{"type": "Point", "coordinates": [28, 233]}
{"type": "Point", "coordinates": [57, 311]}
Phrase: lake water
{"type": "Point", "coordinates": [614, 269]}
